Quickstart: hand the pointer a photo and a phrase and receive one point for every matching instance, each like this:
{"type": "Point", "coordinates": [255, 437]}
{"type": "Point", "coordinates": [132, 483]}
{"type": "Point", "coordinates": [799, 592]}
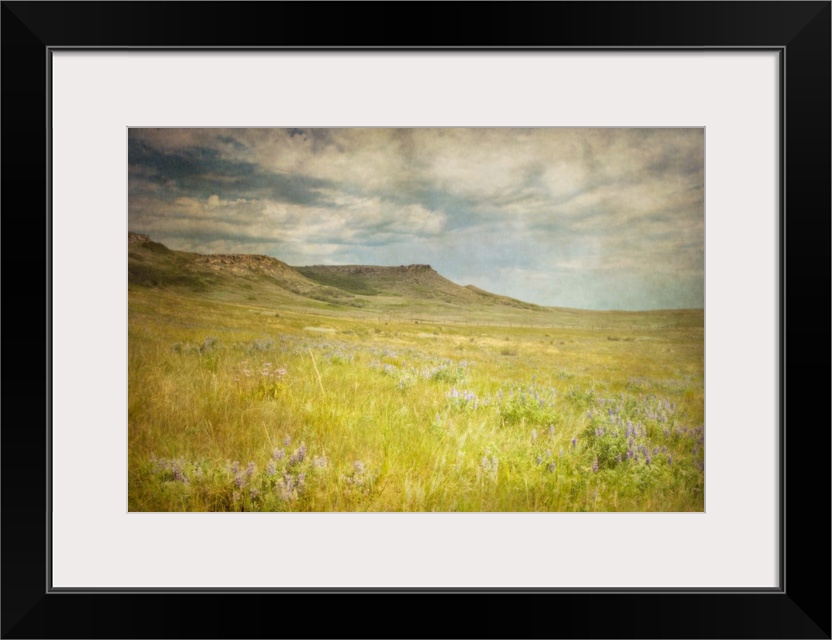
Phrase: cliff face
{"type": "Point", "coordinates": [373, 269]}
{"type": "Point", "coordinates": [416, 280]}
{"type": "Point", "coordinates": [239, 264]}
{"type": "Point", "coordinates": [137, 238]}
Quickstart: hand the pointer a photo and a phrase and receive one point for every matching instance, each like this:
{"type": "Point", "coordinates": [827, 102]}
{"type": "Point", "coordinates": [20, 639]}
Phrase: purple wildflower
{"type": "Point", "coordinates": [539, 459]}
{"type": "Point", "coordinates": [278, 454]}
{"type": "Point", "coordinates": [288, 483]}
{"type": "Point", "coordinates": [595, 466]}
{"type": "Point", "coordinates": [298, 456]}
{"type": "Point", "coordinates": [178, 475]}
{"type": "Point", "coordinates": [250, 468]}
{"type": "Point", "coordinates": [575, 441]}
{"type": "Point", "coordinates": [271, 469]}
{"type": "Point", "coordinates": [551, 467]}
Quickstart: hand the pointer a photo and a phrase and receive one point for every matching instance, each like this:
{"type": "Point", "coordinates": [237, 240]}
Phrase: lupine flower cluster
{"type": "Point", "coordinates": [530, 404]}
{"type": "Point", "coordinates": [284, 477]}
{"type": "Point", "coordinates": [490, 465]}
{"type": "Point", "coordinates": [206, 346]}
{"type": "Point", "coordinates": [616, 435]}
{"type": "Point", "coordinates": [298, 456]}
{"type": "Point", "coordinates": [261, 344]}
{"type": "Point", "coordinates": [286, 488]}
{"type": "Point", "coordinates": [242, 478]}
{"type": "Point", "coordinates": [662, 411]}
{"type": "Point", "coordinates": [464, 399]}
{"type": "Point", "coordinates": [545, 458]}
{"type": "Point", "coordinates": [170, 469]}
{"type": "Point", "coordinates": [360, 477]}
{"type": "Point", "coordinates": [444, 371]}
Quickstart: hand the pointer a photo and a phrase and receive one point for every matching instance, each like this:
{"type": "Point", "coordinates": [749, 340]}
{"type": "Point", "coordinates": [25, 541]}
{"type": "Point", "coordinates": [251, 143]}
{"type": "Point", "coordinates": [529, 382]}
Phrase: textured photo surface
{"type": "Point", "coordinates": [434, 319]}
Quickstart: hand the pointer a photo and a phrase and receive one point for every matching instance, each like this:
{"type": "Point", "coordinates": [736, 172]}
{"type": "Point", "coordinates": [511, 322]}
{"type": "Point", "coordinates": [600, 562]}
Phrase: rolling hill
{"type": "Point", "coordinates": [414, 291]}
{"type": "Point", "coordinates": [151, 264]}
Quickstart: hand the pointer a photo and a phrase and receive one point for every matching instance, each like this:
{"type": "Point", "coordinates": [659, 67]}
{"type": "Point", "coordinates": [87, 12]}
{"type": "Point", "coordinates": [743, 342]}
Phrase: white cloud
{"type": "Point", "coordinates": [575, 205]}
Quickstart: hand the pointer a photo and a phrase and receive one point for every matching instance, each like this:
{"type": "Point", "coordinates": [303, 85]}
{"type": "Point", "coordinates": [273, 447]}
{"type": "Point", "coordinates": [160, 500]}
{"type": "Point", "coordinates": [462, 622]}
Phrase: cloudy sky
{"type": "Point", "coordinates": [587, 218]}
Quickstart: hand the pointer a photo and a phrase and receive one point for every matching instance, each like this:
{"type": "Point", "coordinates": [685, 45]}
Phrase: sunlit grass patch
{"type": "Point", "coordinates": [235, 408]}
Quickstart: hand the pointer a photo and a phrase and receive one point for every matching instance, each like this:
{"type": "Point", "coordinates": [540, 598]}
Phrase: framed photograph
{"type": "Point", "coordinates": [502, 312]}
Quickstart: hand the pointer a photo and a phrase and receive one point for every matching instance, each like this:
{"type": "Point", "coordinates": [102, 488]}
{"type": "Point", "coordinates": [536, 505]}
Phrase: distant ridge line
{"type": "Point", "coordinates": [350, 285]}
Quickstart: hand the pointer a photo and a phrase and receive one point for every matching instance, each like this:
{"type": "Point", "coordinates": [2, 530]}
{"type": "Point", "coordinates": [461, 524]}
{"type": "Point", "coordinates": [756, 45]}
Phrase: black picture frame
{"type": "Point", "coordinates": [799, 608]}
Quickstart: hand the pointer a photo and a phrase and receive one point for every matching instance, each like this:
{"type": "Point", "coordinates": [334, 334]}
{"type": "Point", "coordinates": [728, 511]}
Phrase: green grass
{"type": "Point", "coordinates": [250, 402]}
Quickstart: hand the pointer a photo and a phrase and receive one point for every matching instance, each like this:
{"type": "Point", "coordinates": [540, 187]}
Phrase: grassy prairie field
{"type": "Point", "coordinates": [250, 398]}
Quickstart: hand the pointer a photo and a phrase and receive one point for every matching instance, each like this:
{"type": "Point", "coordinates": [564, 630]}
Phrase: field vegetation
{"type": "Point", "coordinates": [255, 391]}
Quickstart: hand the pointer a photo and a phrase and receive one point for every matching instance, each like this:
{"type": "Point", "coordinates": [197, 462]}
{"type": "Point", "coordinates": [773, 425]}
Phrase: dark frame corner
{"type": "Point", "coordinates": [800, 30]}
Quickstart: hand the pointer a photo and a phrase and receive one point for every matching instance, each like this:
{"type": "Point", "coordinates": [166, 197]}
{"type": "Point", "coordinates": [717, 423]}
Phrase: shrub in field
{"type": "Point", "coordinates": [581, 398]}
{"type": "Point", "coordinates": [607, 446]}
{"type": "Point", "coordinates": [408, 377]}
{"type": "Point", "coordinates": [620, 434]}
{"type": "Point", "coordinates": [262, 344]}
{"type": "Point", "coordinates": [530, 406]}
{"type": "Point", "coordinates": [449, 373]}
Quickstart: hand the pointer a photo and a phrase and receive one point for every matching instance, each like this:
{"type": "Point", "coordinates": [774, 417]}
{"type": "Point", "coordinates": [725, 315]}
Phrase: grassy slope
{"type": "Point", "coordinates": [256, 386]}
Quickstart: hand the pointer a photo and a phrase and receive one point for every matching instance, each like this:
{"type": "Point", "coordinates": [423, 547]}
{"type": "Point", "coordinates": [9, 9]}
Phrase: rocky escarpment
{"type": "Point", "coordinates": [137, 238]}
{"type": "Point", "coordinates": [238, 264]}
{"type": "Point", "coordinates": [416, 280]}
